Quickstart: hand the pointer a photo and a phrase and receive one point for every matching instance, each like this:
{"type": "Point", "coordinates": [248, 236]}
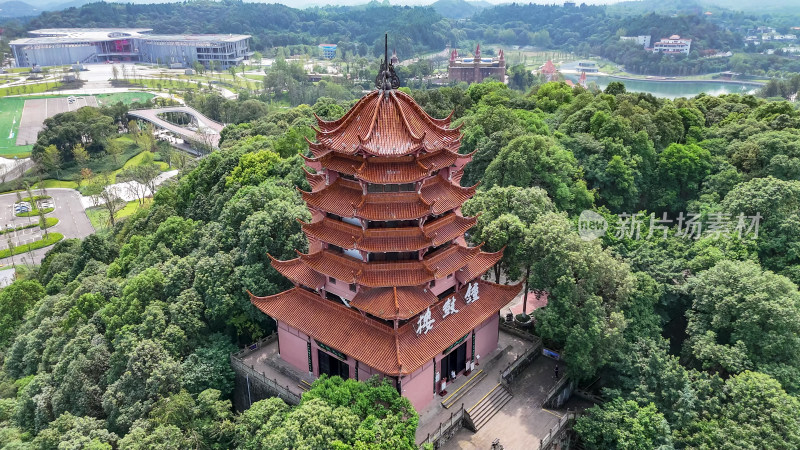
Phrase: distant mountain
{"type": "Point", "coordinates": [459, 9]}
{"type": "Point", "coordinates": [18, 9]}
{"type": "Point", "coordinates": [59, 5]}
{"type": "Point", "coordinates": [785, 6]}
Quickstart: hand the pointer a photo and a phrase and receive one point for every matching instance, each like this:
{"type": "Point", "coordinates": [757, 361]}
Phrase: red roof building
{"type": "Point", "coordinates": [549, 71]}
{"type": "Point", "coordinates": [389, 286]}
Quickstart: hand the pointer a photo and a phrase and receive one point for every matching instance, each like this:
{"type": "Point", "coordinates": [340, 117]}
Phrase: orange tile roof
{"type": "Point", "coordinates": [392, 352]}
{"type": "Point", "coordinates": [317, 181]}
{"type": "Point", "coordinates": [393, 206]}
{"type": "Point", "coordinates": [478, 265]}
{"type": "Point", "coordinates": [340, 197]}
{"type": "Point", "coordinates": [385, 124]}
{"type": "Point", "coordinates": [405, 239]}
{"type": "Point", "coordinates": [394, 302]}
{"type": "Point", "coordinates": [345, 198]}
{"type": "Point", "coordinates": [445, 261]}
{"type": "Point", "coordinates": [448, 227]}
{"type": "Point", "coordinates": [298, 273]}
{"type": "Point", "coordinates": [408, 239]}
{"type": "Point", "coordinates": [444, 195]}
{"type": "Point", "coordinates": [378, 273]}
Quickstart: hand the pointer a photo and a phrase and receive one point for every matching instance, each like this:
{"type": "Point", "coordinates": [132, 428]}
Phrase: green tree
{"type": "Point", "coordinates": [754, 412]}
{"type": "Point", "coordinates": [540, 161]}
{"type": "Point", "coordinates": [621, 424]}
{"type": "Point", "coordinates": [15, 301]}
{"type": "Point", "coordinates": [682, 169]}
{"type": "Point", "coordinates": [744, 318]}
{"type": "Point", "coordinates": [51, 159]}
{"type": "Point", "coordinates": [80, 155]}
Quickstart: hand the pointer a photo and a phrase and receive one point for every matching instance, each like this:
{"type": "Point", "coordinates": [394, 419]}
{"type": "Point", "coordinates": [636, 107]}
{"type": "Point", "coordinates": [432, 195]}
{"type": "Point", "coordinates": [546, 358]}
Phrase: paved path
{"type": "Point", "coordinates": [72, 221]}
{"type": "Point", "coordinates": [128, 191]}
{"type": "Point", "coordinates": [522, 422]}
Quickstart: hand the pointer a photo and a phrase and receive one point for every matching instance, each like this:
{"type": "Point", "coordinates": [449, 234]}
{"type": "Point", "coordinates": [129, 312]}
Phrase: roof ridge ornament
{"type": "Point", "coordinates": [387, 79]}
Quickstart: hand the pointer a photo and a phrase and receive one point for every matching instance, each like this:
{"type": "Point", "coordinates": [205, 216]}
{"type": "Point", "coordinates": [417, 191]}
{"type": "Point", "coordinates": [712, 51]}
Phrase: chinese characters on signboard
{"type": "Point", "coordinates": [425, 320]}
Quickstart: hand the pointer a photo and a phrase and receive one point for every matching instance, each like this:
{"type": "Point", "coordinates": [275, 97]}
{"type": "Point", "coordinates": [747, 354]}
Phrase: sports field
{"type": "Point", "coordinates": [11, 114]}
{"type": "Point", "coordinates": [36, 110]}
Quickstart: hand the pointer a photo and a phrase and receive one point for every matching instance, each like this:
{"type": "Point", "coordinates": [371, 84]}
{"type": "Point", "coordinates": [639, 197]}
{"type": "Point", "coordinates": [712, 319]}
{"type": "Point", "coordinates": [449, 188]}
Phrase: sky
{"type": "Point", "coordinates": [306, 3]}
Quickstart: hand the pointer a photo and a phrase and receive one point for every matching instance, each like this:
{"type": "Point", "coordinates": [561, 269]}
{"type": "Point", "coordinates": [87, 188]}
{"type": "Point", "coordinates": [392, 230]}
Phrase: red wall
{"type": "Point", "coordinates": [486, 336]}
{"type": "Point", "coordinates": [293, 347]}
{"type": "Point", "coordinates": [418, 387]}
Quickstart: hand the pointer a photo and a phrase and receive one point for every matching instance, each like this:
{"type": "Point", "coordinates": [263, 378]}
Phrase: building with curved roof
{"type": "Point", "coordinates": [389, 286]}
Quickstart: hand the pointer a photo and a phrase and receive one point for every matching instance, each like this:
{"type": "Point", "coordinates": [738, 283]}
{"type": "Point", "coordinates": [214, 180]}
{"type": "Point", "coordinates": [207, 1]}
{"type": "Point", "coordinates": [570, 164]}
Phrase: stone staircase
{"type": "Point", "coordinates": [462, 390]}
{"type": "Point", "coordinates": [488, 406]}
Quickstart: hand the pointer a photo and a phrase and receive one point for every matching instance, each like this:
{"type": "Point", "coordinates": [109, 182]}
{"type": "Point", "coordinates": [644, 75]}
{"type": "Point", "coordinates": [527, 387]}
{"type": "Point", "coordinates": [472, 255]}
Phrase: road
{"type": "Point", "coordinates": [72, 222]}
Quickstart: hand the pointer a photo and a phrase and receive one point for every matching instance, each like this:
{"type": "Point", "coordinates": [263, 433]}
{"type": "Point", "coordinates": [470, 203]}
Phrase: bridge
{"type": "Point", "coordinates": [207, 131]}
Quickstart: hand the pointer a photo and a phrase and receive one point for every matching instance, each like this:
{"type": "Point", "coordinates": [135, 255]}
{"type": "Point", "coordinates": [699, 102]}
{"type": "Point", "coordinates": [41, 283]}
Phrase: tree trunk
{"type": "Point", "coordinates": [497, 273]}
{"type": "Point", "coordinates": [525, 297]}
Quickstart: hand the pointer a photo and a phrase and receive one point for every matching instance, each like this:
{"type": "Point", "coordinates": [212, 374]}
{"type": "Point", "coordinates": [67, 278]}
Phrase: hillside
{"type": "Point", "coordinates": [17, 9]}
{"type": "Point", "coordinates": [458, 9]}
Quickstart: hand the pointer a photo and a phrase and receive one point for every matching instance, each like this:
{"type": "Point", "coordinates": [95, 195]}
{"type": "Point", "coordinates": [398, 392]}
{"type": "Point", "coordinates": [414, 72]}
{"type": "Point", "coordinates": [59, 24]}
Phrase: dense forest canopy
{"type": "Point", "coordinates": [690, 336]}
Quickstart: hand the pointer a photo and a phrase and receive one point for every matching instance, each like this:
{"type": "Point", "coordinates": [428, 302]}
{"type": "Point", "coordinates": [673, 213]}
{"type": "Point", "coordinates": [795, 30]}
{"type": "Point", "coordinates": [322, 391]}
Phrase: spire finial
{"type": "Point", "coordinates": [387, 78]}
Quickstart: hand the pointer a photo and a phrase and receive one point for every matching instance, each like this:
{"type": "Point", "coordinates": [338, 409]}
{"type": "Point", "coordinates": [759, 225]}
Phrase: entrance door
{"type": "Point", "coordinates": [455, 361]}
{"type": "Point", "coordinates": [332, 366]}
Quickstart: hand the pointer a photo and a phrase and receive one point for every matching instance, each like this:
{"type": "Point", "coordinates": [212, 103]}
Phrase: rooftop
{"type": "Point", "coordinates": [393, 352]}
{"type": "Point", "coordinates": [385, 123]}
{"type": "Point", "coordinates": [67, 35]}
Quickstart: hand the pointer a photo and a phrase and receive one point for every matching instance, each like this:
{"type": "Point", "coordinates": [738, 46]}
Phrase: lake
{"type": "Point", "coordinates": [672, 89]}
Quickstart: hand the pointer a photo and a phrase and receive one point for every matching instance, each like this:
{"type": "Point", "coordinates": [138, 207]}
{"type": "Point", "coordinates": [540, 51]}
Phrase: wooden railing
{"type": "Point", "coordinates": [447, 429]}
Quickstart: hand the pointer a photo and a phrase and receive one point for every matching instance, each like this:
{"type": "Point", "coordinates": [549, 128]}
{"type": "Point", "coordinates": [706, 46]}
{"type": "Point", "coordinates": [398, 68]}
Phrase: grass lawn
{"type": "Point", "coordinates": [56, 184]}
{"type": "Point", "coordinates": [136, 160]}
{"type": "Point", "coordinates": [51, 239]}
{"type": "Point", "coordinates": [49, 223]}
{"type": "Point", "coordinates": [10, 115]}
{"type": "Point", "coordinates": [30, 88]}
{"type": "Point", "coordinates": [124, 97]}
{"type": "Point", "coordinates": [99, 216]}
{"type": "Point", "coordinates": [34, 212]}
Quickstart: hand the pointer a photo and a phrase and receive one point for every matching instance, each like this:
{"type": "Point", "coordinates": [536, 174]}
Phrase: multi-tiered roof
{"type": "Point", "coordinates": [386, 228]}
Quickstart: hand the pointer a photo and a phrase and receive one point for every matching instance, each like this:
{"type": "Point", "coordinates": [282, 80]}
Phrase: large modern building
{"type": "Point", "coordinates": [476, 69]}
{"type": "Point", "coordinates": [389, 286]}
{"type": "Point", "coordinates": [62, 46]}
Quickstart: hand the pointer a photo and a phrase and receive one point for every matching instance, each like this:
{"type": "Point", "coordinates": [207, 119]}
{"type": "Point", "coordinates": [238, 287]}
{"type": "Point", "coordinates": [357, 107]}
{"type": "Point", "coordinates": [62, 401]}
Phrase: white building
{"type": "Point", "coordinates": [642, 40]}
{"type": "Point", "coordinates": [673, 45]}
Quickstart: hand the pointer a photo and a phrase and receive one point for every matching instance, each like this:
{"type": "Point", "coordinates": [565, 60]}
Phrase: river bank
{"type": "Point", "coordinates": [673, 88]}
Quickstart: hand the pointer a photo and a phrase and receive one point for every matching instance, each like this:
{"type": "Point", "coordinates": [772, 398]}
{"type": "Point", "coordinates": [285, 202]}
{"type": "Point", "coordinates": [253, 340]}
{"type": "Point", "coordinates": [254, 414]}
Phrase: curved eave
{"type": "Point", "coordinates": [383, 240]}
{"type": "Point", "coordinates": [385, 124]}
{"type": "Point", "coordinates": [479, 265]}
{"type": "Point", "coordinates": [317, 181]}
{"type": "Point", "coordinates": [394, 303]}
{"type": "Point", "coordinates": [445, 195]}
{"type": "Point", "coordinates": [298, 272]}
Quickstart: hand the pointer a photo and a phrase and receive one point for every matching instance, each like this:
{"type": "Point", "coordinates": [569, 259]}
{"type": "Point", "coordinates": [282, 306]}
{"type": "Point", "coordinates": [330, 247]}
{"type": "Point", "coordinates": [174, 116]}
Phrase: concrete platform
{"type": "Point", "coordinates": [522, 422]}
{"type": "Point", "coordinates": [509, 348]}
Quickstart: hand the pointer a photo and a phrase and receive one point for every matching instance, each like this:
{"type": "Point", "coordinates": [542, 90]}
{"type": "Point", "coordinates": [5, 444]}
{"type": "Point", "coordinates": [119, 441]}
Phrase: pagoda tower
{"type": "Point", "coordinates": [389, 286]}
